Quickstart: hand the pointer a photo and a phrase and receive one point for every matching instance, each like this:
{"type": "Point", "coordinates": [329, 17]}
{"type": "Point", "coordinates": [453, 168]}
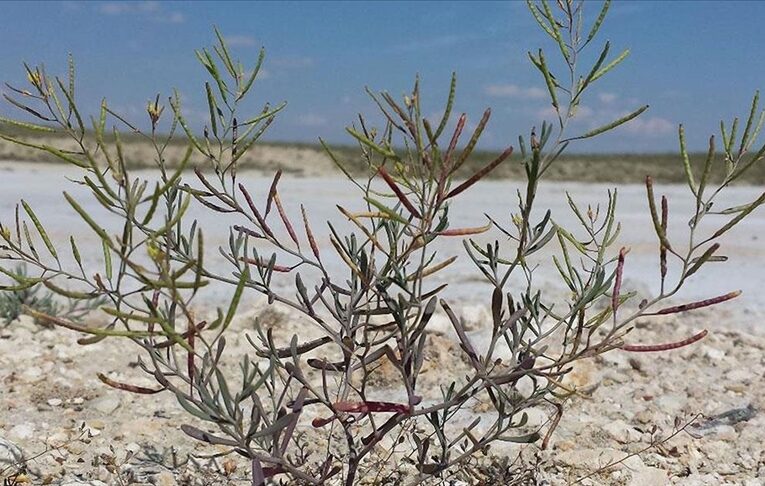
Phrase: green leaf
{"type": "Point", "coordinates": [175, 104]}
{"type": "Point", "coordinates": [384, 151]}
{"type": "Point", "coordinates": [53, 151]}
{"type": "Point", "coordinates": [473, 141]}
{"type": "Point", "coordinates": [27, 126]}
{"type": "Point", "coordinates": [107, 259]}
{"type": "Point", "coordinates": [213, 106]}
{"type": "Point", "coordinates": [741, 215]}
{"type": "Point", "coordinates": [264, 115]}
{"type": "Point", "coordinates": [610, 65]}
{"type": "Point", "coordinates": [76, 252]}
{"type": "Point", "coordinates": [612, 125]}
{"type": "Point", "coordinates": [660, 233]}
{"type": "Point", "coordinates": [255, 71]}
{"type": "Point", "coordinates": [40, 229]}
{"type": "Point", "coordinates": [598, 21]}
{"type": "Point", "coordinates": [595, 67]}
{"type": "Point", "coordinates": [521, 439]}
{"type": "Point", "coordinates": [686, 162]}
{"type": "Point", "coordinates": [749, 122]}
{"type": "Point", "coordinates": [386, 210]}
{"type": "Point", "coordinates": [539, 18]}
{"type": "Point", "coordinates": [223, 52]}
{"type": "Point", "coordinates": [707, 169]}
{"type": "Point", "coordinates": [209, 63]}
{"type": "Point", "coordinates": [193, 410]}
{"type": "Point", "coordinates": [565, 234]}
{"type": "Point", "coordinates": [548, 78]}
{"type": "Point", "coordinates": [231, 312]}
{"type": "Point", "coordinates": [85, 216]}
{"type": "Point", "coordinates": [555, 29]}
{"type": "Point", "coordinates": [29, 240]}
{"type": "Point", "coordinates": [449, 105]}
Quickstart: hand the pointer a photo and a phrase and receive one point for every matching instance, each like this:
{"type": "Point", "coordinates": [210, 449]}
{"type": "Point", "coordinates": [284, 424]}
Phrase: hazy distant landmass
{"type": "Point", "coordinates": [301, 159]}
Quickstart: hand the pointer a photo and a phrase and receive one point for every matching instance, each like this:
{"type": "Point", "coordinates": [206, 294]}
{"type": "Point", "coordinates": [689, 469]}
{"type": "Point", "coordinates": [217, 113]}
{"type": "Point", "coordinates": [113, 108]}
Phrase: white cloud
{"type": "Point", "coordinates": [240, 40]}
{"type": "Point", "coordinates": [150, 9]}
{"type": "Point", "coordinates": [293, 62]}
{"type": "Point", "coordinates": [114, 8]}
{"type": "Point", "coordinates": [175, 18]}
{"type": "Point", "coordinates": [587, 118]}
{"type": "Point", "coordinates": [311, 120]}
{"type": "Point", "coordinates": [607, 98]}
{"type": "Point", "coordinates": [434, 43]}
{"type": "Point", "coordinates": [582, 113]}
{"type": "Point", "coordinates": [653, 126]}
{"type": "Point", "coordinates": [71, 4]}
{"type": "Point", "coordinates": [514, 91]}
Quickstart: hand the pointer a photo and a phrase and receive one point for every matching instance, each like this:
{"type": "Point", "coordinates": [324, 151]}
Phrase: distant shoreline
{"type": "Point", "coordinates": [302, 159]}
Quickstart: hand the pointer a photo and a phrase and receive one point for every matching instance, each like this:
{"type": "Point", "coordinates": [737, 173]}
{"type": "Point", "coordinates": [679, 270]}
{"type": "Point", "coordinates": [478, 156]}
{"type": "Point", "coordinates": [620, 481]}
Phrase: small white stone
{"type": "Point", "coordinates": [133, 448]}
{"type": "Point", "coordinates": [22, 431]}
{"type": "Point", "coordinates": [55, 402]}
{"type": "Point", "coordinates": [165, 478]}
{"type": "Point", "coordinates": [671, 403]}
{"type": "Point", "coordinates": [32, 374]}
{"type": "Point", "coordinates": [106, 404]}
{"type": "Point", "coordinates": [713, 353]}
{"type": "Point", "coordinates": [649, 476]}
{"type": "Point", "coordinates": [26, 322]}
{"type": "Point", "coordinates": [622, 432]}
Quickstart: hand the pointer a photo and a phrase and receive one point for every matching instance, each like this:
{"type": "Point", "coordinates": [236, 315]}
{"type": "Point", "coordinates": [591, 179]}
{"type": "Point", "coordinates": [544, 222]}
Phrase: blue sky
{"type": "Point", "coordinates": [693, 62]}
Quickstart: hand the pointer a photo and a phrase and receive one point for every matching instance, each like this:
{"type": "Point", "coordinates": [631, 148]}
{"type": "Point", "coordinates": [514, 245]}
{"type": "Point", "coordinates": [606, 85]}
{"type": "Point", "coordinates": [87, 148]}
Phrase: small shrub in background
{"type": "Point", "coordinates": [15, 299]}
{"type": "Point", "coordinates": [288, 396]}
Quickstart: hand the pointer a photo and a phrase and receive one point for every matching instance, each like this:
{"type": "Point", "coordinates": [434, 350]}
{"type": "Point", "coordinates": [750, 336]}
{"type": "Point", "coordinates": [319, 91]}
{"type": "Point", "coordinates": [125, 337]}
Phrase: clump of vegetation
{"type": "Point", "coordinates": [287, 397]}
{"type": "Point", "coordinates": [16, 298]}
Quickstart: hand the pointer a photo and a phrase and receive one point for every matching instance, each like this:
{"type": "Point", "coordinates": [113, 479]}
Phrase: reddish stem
{"type": "Point", "coordinates": [309, 234]}
{"type": "Point", "coordinates": [697, 305]}
{"type": "Point", "coordinates": [263, 264]}
{"type": "Point", "coordinates": [126, 387]}
{"type": "Point", "coordinates": [648, 348]}
{"type": "Point", "coordinates": [399, 193]}
{"type": "Point", "coordinates": [618, 283]}
{"type": "Point", "coordinates": [286, 220]}
{"type": "Point", "coordinates": [481, 173]}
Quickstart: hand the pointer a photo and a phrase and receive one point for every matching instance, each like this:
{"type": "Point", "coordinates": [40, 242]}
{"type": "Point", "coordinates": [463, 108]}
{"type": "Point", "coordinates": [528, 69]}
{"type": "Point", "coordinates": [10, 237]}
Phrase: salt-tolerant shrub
{"type": "Point", "coordinates": [289, 395]}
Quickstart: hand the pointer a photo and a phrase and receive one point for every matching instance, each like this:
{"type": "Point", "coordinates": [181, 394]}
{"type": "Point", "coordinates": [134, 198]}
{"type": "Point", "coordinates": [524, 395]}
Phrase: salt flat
{"type": "Point", "coordinates": [41, 185]}
{"type": "Point", "coordinates": [51, 391]}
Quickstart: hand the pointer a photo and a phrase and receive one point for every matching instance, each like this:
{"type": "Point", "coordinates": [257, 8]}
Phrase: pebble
{"type": "Point", "coordinates": [106, 404]}
{"type": "Point", "coordinates": [22, 431]}
{"type": "Point", "coordinates": [649, 476]}
{"type": "Point", "coordinates": [96, 424]}
{"type": "Point", "coordinates": [622, 432]}
{"type": "Point", "coordinates": [594, 431]}
{"type": "Point", "coordinates": [31, 374]}
{"type": "Point", "coordinates": [713, 353]}
{"type": "Point", "coordinates": [165, 478]}
{"type": "Point", "coordinates": [671, 403]}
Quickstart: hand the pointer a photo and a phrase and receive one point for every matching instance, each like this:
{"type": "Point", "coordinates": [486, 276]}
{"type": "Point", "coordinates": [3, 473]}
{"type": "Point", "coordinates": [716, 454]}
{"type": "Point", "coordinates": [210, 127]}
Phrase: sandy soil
{"type": "Point", "coordinates": [50, 392]}
{"type": "Point", "coordinates": [300, 160]}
